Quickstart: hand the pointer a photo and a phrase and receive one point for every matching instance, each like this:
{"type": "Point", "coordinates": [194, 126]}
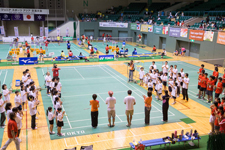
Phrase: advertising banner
{"type": "Point", "coordinates": [150, 28]}
{"type": "Point", "coordinates": [133, 26]}
{"type": "Point", "coordinates": [183, 32]}
{"type": "Point", "coordinates": [221, 38]}
{"type": "Point", "coordinates": [174, 32]}
{"type": "Point", "coordinates": [46, 31]}
{"type": "Point", "coordinates": [208, 36]}
{"type": "Point", "coordinates": [106, 57]}
{"type": "Point", "coordinates": [17, 17]}
{"type": "Point", "coordinates": [158, 29]}
{"type": "Point", "coordinates": [113, 24]}
{"type": "Point", "coordinates": [144, 28]}
{"type": "Point", "coordinates": [165, 30]}
{"type": "Point", "coordinates": [28, 60]}
{"type": "Point", "coordinates": [197, 35]}
{"type": "Point", "coordinates": [58, 31]}
{"type": "Point", "coordinates": [2, 30]}
{"type": "Point", "coordinates": [16, 31]}
{"type": "Point", "coordinates": [5, 17]}
{"type": "Point", "coordinates": [41, 31]}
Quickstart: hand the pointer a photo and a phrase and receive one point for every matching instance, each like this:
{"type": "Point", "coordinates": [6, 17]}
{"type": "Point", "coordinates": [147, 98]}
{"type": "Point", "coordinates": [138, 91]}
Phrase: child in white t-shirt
{"type": "Point", "coordinates": [6, 93]}
{"type": "Point", "coordinates": [170, 85]}
{"type": "Point", "coordinates": [23, 94]}
{"type": "Point", "coordinates": [164, 80]}
{"type": "Point", "coordinates": [2, 111]}
{"type": "Point", "coordinates": [51, 117]}
{"type": "Point", "coordinates": [141, 75]}
{"type": "Point", "coordinates": [18, 101]}
{"type": "Point", "coordinates": [150, 85]}
{"type": "Point", "coordinates": [60, 123]}
{"type": "Point", "coordinates": [174, 92]}
{"type": "Point", "coordinates": [159, 88]}
{"type": "Point", "coordinates": [146, 78]}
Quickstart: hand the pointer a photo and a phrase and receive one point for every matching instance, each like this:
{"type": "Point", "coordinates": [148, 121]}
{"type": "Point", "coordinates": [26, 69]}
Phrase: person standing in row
{"type": "Point", "coordinates": [111, 101]}
{"type": "Point", "coordinates": [94, 111]}
{"type": "Point", "coordinates": [129, 101]}
{"type": "Point", "coordinates": [2, 111]}
{"type": "Point", "coordinates": [131, 70]}
{"type": "Point", "coordinates": [165, 106]}
{"type": "Point", "coordinates": [185, 86]}
{"type": "Point", "coordinates": [165, 67]}
{"type": "Point", "coordinates": [33, 110]}
{"type": "Point", "coordinates": [148, 106]}
{"type": "Point", "coordinates": [12, 131]}
{"type": "Point", "coordinates": [48, 80]}
{"type": "Point", "coordinates": [6, 93]}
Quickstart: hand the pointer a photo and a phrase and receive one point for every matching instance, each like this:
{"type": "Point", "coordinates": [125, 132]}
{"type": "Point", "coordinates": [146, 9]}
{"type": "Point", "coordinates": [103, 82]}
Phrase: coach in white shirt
{"type": "Point", "coordinates": [153, 65]}
{"type": "Point", "coordinates": [130, 102]}
{"type": "Point", "coordinates": [185, 86]}
{"type": "Point", "coordinates": [165, 67]}
{"type": "Point", "coordinates": [111, 101]}
{"type": "Point", "coordinates": [48, 80]}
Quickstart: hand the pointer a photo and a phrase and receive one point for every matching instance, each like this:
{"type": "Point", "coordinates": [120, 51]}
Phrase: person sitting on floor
{"type": "Point", "coordinates": [134, 52]}
{"type": "Point", "coordinates": [63, 54]}
{"type": "Point", "coordinates": [176, 53]}
{"type": "Point", "coordinates": [154, 49]}
{"type": "Point", "coordinates": [70, 53]}
{"type": "Point", "coordinates": [163, 53]}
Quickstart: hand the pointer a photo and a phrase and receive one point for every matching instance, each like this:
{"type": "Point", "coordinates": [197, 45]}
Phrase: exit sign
{"type": "Point", "coordinates": [192, 40]}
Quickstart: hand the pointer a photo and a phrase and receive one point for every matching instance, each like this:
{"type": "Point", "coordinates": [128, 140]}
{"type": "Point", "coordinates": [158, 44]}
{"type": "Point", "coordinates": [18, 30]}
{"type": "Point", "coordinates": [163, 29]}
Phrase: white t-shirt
{"type": "Point", "coordinates": [52, 84]}
{"type": "Point", "coordinates": [178, 81]}
{"type": "Point", "coordinates": [165, 68]}
{"type": "Point", "coordinates": [33, 94]}
{"type": "Point", "coordinates": [159, 88]}
{"type": "Point", "coordinates": [7, 114]}
{"type": "Point", "coordinates": [17, 100]}
{"type": "Point", "coordinates": [28, 81]}
{"type": "Point", "coordinates": [185, 86]}
{"type": "Point", "coordinates": [32, 111]}
{"type": "Point", "coordinates": [153, 76]}
{"type": "Point", "coordinates": [24, 78]}
{"type": "Point", "coordinates": [141, 73]}
{"type": "Point", "coordinates": [91, 37]}
{"type": "Point", "coordinates": [18, 120]}
{"type": "Point", "coordinates": [50, 116]}
{"type": "Point", "coordinates": [165, 78]}
{"type": "Point", "coordinates": [129, 100]}
{"type": "Point", "coordinates": [174, 91]}
{"type": "Point", "coordinates": [182, 74]}
{"type": "Point", "coordinates": [150, 84]}
{"type": "Point", "coordinates": [58, 87]}
{"type": "Point", "coordinates": [174, 73]}
{"type": "Point", "coordinates": [48, 78]}
{"type": "Point", "coordinates": [171, 83]}
{"type": "Point", "coordinates": [6, 98]}
{"type": "Point", "coordinates": [53, 98]}
{"type": "Point", "coordinates": [23, 96]}
{"type": "Point", "coordinates": [59, 117]}
{"type": "Point", "coordinates": [110, 101]}
{"type": "Point", "coordinates": [57, 105]}
{"type": "Point", "coordinates": [2, 109]}
{"type": "Point", "coordinates": [154, 66]}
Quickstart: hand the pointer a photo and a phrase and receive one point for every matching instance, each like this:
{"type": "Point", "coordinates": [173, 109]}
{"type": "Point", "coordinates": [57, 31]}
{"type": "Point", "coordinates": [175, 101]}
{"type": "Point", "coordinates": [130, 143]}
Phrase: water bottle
{"type": "Point", "coordinates": [140, 140]}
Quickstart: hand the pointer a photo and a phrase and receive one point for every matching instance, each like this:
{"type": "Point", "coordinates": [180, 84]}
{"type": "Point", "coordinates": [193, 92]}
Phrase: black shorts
{"type": "Point", "coordinates": [107, 52]}
{"type": "Point", "coordinates": [155, 90]}
{"type": "Point", "coordinates": [174, 97]}
{"type": "Point", "coordinates": [60, 123]}
{"type": "Point", "coordinates": [51, 121]}
{"type": "Point", "coordinates": [170, 89]}
{"type": "Point", "coordinates": [224, 85]}
{"type": "Point", "coordinates": [199, 87]}
{"type": "Point", "coordinates": [23, 103]}
{"type": "Point", "coordinates": [117, 53]}
{"type": "Point", "coordinates": [202, 89]}
{"type": "Point", "coordinates": [48, 89]}
{"type": "Point", "coordinates": [181, 83]}
{"type": "Point", "coordinates": [164, 83]}
{"type": "Point", "coordinates": [209, 93]}
{"type": "Point", "coordinates": [217, 95]}
{"type": "Point", "coordinates": [159, 93]}
{"type": "Point", "coordinates": [19, 107]}
{"type": "Point", "coordinates": [68, 47]}
{"type": "Point", "coordinates": [92, 53]}
{"type": "Point", "coordinates": [60, 95]}
{"type": "Point", "coordinates": [150, 89]}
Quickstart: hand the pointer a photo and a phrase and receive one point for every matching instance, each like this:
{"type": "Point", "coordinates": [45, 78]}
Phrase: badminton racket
{"type": "Point", "coordinates": [87, 108]}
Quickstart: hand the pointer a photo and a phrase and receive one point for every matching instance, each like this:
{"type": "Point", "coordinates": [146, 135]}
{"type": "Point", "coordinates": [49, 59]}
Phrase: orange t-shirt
{"type": "Point", "coordinates": [213, 111]}
{"type": "Point", "coordinates": [224, 78]}
{"type": "Point", "coordinates": [204, 82]}
{"type": "Point", "coordinates": [41, 51]}
{"type": "Point", "coordinates": [200, 78]}
{"type": "Point", "coordinates": [94, 105]}
{"type": "Point", "coordinates": [107, 48]}
{"type": "Point", "coordinates": [219, 85]}
{"type": "Point", "coordinates": [139, 36]}
{"type": "Point", "coordinates": [88, 43]}
{"type": "Point", "coordinates": [216, 123]}
{"type": "Point", "coordinates": [26, 44]}
{"type": "Point", "coordinates": [154, 48]}
{"type": "Point", "coordinates": [210, 85]}
{"type": "Point", "coordinates": [215, 74]}
{"type": "Point", "coordinates": [32, 38]}
{"type": "Point", "coordinates": [148, 102]}
{"type": "Point", "coordinates": [92, 50]}
{"type": "Point", "coordinates": [117, 49]}
{"type": "Point", "coordinates": [12, 126]}
{"type": "Point", "coordinates": [200, 70]}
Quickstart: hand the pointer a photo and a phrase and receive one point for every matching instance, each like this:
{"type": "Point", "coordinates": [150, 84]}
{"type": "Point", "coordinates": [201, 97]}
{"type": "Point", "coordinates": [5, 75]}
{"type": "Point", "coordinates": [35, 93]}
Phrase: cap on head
{"type": "Point", "coordinates": [110, 92]}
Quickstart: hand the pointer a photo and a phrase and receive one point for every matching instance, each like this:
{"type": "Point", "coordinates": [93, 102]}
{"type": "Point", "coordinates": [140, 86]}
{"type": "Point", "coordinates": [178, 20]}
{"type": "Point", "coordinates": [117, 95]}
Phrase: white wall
{"type": "Point", "coordinates": [63, 29]}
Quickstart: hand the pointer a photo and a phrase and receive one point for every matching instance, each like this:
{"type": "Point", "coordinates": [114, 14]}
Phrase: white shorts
{"type": "Point", "coordinates": [139, 40]}
{"type": "Point", "coordinates": [212, 119]}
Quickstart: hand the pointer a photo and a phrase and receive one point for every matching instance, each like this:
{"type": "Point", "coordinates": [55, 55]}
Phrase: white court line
{"type": "Point", "coordinates": [98, 93]}
{"type": "Point", "coordinates": [7, 52]}
{"type": "Point", "coordinates": [78, 73]}
{"type": "Point", "coordinates": [180, 125]}
{"type": "Point", "coordinates": [129, 136]}
{"type": "Point", "coordinates": [107, 117]}
{"type": "Point", "coordinates": [76, 140]}
{"type": "Point", "coordinates": [132, 132]}
{"type": "Point", "coordinates": [104, 102]}
{"type": "Point", "coordinates": [132, 86]}
{"type": "Point", "coordinates": [115, 123]}
{"type": "Point", "coordinates": [54, 45]}
{"type": "Point", "coordinates": [5, 76]}
{"type": "Point", "coordinates": [67, 118]}
{"type": "Point", "coordinates": [1, 73]}
{"type": "Point", "coordinates": [65, 142]}
{"type": "Point", "coordinates": [87, 79]}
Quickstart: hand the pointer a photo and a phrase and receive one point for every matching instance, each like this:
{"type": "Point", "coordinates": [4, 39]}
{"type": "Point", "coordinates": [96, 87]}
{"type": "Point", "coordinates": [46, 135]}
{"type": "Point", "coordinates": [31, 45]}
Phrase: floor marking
{"type": "Point", "coordinates": [104, 102]}
{"type": "Point", "coordinates": [87, 79]}
{"type": "Point", "coordinates": [65, 142]}
{"type": "Point", "coordinates": [132, 132]}
{"type": "Point", "coordinates": [76, 140]}
{"type": "Point", "coordinates": [78, 73]}
{"type": "Point", "coordinates": [180, 125]}
{"type": "Point", "coordinates": [67, 118]}
{"type": "Point", "coordinates": [115, 122]}
{"type": "Point", "coordinates": [5, 77]}
{"type": "Point", "coordinates": [130, 136]}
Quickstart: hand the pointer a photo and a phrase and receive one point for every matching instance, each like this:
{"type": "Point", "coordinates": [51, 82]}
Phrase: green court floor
{"type": "Point", "coordinates": [6, 77]}
{"type": "Point", "coordinates": [4, 50]}
{"type": "Point", "coordinates": [78, 85]}
{"type": "Point", "coordinates": [193, 76]}
{"type": "Point", "coordinates": [101, 47]}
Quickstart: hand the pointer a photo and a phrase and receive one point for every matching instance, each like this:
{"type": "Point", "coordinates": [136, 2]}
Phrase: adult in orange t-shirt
{"type": "Point", "coordinates": [219, 88]}
{"type": "Point", "coordinates": [209, 91]}
{"type": "Point", "coordinates": [94, 111]}
{"type": "Point", "coordinates": [12, 131]}
{"type": "Point", "coordinates": [107, 49]}
{"type": "Point", "coordinates": [154, 49]}
{"type": "Point", "coordinates": [216, 74]}
{"type": "Point", "coordinates": [223, 81]}
{"type": "Point", "coordinates": [202, 68]}
{"type": "Point", "coordinates": [148, 105]}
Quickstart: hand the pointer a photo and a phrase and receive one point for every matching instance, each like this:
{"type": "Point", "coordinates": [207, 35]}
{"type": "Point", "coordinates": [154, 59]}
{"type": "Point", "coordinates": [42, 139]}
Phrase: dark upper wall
{"type": "Point", "coordinates": [206, 49]}
{"type": "Point", "coordinates": [21, 3]}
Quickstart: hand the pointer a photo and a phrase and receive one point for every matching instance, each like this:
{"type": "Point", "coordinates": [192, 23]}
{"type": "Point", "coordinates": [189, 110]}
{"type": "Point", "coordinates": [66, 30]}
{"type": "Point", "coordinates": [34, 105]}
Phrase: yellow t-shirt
{"type": "Point", "coordinates": [94, 105]}
{"type": "Point", "coordinates": [63, 54]}
{"type": "Point", "coordinates": [58, 38]}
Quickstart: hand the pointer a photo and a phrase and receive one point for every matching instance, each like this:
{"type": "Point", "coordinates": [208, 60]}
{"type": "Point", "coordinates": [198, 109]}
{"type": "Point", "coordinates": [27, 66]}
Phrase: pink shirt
{"type": "Point", "coordinates": [182, 49]}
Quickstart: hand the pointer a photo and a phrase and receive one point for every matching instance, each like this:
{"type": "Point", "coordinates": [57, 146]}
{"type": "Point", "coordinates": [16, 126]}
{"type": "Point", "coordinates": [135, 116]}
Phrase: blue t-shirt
{"type": "Point", "coordinates": [124, 43]}
{"type": "Point", "coordinates": [68, 45]}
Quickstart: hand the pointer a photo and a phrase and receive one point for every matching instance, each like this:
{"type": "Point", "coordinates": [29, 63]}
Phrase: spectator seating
{"type": "Point", "coordinates": [135, 8]}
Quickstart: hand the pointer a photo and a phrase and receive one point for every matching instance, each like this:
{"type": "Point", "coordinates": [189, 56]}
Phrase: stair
{"type": "Point", "coordinates": [193, 20]}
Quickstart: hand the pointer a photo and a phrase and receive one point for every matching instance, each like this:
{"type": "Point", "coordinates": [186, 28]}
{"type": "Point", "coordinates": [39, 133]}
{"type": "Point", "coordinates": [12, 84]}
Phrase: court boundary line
{"type": "Point", "coordinates": [190, 127]}
{"type": "Point", "coordinates": [78, 73]}
{"type": "Point", "coordinates": [5, 76]}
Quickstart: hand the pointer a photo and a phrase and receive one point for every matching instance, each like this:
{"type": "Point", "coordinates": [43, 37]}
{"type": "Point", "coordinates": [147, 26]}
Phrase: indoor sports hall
{"type": "Point", "coordinates": [112, 75]}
